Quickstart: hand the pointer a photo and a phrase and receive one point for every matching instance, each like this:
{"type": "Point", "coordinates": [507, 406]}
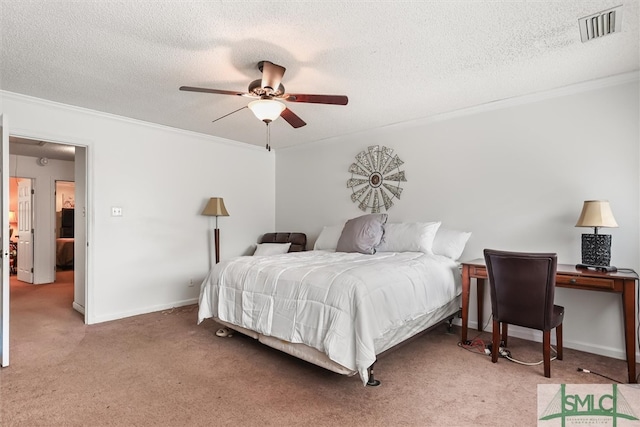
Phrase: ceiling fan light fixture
{"type": "Point", "coordinates": [267, 91]}
{"type": "Point", "coordinates": [266, 110]}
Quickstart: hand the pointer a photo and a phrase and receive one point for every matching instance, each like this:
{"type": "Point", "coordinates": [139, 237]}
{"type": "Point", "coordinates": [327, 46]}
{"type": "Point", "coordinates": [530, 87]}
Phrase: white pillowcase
{"type": "Point", "coordinates": [409, 237]}
{"type": "Point", "coordinates": [450, 243]}
{"type": "Point", "coordinates": [328, 238]}
{"type": "Point", "coordinates": [264, 249]}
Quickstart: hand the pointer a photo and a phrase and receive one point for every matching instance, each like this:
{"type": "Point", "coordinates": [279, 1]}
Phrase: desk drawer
{"type": "Point", "coordinates": [479, 272]}
{"type": "Point", "coordinates": [585, 282]}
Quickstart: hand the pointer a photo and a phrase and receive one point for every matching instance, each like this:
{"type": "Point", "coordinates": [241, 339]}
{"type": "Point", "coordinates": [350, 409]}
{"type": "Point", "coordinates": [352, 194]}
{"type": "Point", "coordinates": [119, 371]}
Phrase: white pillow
{"type": "Point", "coordinates": [328, 238]}
{"type": "Point", "coordinates": [450, 243]}
{"type": "Point", "coordinates": [409, 237]}
{"type": "Point", "coordinates": [264, 249]}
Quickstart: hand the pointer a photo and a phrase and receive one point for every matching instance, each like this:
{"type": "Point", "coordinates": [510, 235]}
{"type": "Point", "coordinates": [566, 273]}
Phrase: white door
{"type": "Point", "coordinates": [4, 218]}
{"type": "Point", "coordinates": [80, 234]}
{"type": "Point", "coordinates": [25, 231]}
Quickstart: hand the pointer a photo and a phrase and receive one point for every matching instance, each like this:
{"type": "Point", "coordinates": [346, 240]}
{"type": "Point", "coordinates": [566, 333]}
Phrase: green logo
{"type": "Point", "coordinates": [565, 405]}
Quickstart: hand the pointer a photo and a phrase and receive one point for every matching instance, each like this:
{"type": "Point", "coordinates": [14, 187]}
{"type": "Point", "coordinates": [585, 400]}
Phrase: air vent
{"type": "Point", "coordinates": [601, 24]}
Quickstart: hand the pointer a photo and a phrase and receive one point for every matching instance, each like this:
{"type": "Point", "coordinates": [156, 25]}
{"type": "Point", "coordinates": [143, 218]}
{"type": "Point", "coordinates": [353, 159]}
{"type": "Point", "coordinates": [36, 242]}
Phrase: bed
{"type": "Point", "coordinates": [339, 310]}
{"type": "Point", "coordinates": [64, 252]}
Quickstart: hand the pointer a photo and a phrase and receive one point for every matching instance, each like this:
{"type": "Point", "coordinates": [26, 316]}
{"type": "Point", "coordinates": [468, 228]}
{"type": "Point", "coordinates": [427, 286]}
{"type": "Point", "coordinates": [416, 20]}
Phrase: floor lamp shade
{"type": "Point", "coordinates": [596, 248]}
{"type": "Point", "coordinates": [215, 207]}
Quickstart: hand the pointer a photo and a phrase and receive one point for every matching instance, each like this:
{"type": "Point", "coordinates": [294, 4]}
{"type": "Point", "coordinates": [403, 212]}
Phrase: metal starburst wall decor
{"type": "Point", "coordinates": [375, 179]}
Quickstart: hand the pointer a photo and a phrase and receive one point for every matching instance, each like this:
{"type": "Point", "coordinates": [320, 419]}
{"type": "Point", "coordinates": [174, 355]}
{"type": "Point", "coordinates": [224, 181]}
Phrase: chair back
{"type": "Point", "coordinates": [522, 287]}
{"type": "Point", "coordinates": [298, 240]}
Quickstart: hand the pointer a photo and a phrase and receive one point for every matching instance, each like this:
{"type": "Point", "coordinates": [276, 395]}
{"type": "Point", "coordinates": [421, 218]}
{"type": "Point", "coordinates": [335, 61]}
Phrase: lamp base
{"type": "Point", "coordinates": [216, 235]}
{"type": "Point", "coordinates": [603, 268]}
{"type": "Point", "coordinates": [596, 249]}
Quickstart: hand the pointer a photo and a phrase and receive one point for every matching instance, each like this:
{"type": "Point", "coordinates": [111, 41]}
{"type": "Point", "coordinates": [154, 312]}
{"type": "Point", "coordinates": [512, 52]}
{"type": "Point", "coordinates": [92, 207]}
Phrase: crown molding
{"type": "Point", "coordinates": [108, 116]}
{"type": "Point", "coordinates": [531, 98]}
{"type": "Point", "coordinates": [572, 89]}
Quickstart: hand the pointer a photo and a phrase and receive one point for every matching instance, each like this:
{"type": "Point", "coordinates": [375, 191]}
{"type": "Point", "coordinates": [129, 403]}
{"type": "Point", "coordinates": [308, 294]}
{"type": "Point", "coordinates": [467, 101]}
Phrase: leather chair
{"type": "Point", "coordinates": [522, 289]}
{"type": "Point", "coordinates": [298, 240]}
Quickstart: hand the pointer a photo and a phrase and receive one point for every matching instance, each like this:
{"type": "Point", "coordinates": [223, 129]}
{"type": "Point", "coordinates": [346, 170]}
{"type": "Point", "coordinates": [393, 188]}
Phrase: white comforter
{"type": "Point", "coordinates": [338, 303]}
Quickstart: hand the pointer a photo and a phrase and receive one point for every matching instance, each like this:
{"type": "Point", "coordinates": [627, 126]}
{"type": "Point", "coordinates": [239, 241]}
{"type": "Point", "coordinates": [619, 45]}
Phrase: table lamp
{"type": "Point", "coordinates": [215, 207]}
{"type": "Point", "coordinates": [596, 248]}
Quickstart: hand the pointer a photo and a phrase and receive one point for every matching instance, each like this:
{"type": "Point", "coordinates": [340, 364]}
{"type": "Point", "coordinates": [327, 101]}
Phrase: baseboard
{"type": "Point", "coordinates": [77, 307]}
{"type": "Point", "coordinates": [145, 310]}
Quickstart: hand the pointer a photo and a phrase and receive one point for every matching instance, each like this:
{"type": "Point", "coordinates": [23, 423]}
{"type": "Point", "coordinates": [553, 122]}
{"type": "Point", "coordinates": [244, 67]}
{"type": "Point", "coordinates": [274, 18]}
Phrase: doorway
{"type": "Point", "coordinates": [59, 174]}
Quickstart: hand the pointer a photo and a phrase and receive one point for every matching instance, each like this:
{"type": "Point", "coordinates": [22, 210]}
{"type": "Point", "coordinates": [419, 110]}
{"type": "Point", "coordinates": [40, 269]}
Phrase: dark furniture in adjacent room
{"type": "Point", "coordinates": [64, 253]}
{"type": "Point", "coordinates": [13, 257]}
{"type": "Point", "coordinates": [66, 225]}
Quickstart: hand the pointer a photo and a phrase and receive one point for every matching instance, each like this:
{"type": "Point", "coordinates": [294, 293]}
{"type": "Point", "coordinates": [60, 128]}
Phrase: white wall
{"type": "Point", "coordinates": [161, 177]}
{"type": "Point", "coordinates": [44, 222]}
{"type": "Point", "coordinates": [515, 173]}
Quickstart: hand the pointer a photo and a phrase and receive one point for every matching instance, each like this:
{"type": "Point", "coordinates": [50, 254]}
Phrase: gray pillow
{"type": "Point", "coordinates": [362, 234]}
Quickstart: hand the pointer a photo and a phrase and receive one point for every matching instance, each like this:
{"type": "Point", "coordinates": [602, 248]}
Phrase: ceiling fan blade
{"type": "Point", "coordinates": [205, 90]}
{"type": "Point", "coordinates": [271, 75]}
{"type": "Point", "coordinates": [316, 99]}
{"type": "Point", "coordinates": [292, 118]}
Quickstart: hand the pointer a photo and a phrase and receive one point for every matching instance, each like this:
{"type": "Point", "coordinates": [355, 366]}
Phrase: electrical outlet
{"type": "Point", "coordinates": [116, 211]}
{"type": "Point", "coordinates": [191, 283]}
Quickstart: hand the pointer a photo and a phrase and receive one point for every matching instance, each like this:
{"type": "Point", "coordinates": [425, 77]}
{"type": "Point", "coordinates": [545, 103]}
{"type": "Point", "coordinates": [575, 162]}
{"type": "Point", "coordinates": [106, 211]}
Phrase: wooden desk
{"type": "Point", "coordinates": [567, 276]}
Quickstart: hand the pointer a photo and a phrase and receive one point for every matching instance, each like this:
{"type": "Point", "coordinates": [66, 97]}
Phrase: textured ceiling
{"type": "Point", "coordinates": [396, 61]}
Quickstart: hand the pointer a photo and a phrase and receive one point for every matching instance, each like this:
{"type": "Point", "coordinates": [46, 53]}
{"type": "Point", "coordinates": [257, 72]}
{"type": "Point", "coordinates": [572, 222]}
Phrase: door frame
{"type": "Point", "coordinates": [82, 161]}
{"type": "Point", "coordinates": [4, 218]}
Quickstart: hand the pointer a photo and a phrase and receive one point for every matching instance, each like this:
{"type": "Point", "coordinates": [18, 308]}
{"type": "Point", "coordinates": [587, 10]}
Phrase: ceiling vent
{"type": "Point", "coordinates": [601, 24]}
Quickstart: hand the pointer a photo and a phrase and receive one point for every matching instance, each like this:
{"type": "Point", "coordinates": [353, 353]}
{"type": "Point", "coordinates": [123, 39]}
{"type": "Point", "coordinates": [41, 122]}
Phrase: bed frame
{"type": "Point", "coordinates": [298, 241]}
{"type": "Point", "coordinates": [311, 355]}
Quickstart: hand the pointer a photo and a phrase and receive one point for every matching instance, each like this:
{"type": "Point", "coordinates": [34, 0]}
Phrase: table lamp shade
{"type": "Point", "coordinates": [596, 213]}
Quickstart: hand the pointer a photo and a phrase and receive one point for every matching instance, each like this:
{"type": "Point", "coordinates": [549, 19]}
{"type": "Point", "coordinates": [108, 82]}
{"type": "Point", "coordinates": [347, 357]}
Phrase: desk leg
{"type": "Point", "coordinates": [628, 309]}
{"type": "Point", "coordinates": [480, 297]}
{"type": "Point", "coordinates": [466, 285]}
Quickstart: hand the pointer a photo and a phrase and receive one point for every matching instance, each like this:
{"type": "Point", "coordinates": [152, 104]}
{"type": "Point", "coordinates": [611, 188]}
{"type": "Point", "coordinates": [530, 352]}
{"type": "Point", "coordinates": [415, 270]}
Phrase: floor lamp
{"type": "Point", "coordinates": [215, 207]}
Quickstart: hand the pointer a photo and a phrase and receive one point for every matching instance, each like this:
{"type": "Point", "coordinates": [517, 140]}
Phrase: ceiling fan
{"type": "Point", "coordinates": [269, 91]}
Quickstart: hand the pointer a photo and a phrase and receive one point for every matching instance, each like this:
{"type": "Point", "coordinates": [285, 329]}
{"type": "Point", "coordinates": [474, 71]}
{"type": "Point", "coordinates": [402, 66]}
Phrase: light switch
{"type": "Point", "coordinates": [116, 211]}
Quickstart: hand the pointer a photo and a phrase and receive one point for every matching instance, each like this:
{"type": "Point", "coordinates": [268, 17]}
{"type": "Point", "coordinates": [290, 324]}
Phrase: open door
{"type": "Point", "coordinates": [80, 234]}
{"type": "Point", "coordinates": [25, 230]}
{"type": "Point", "coordinates": [4, 220]}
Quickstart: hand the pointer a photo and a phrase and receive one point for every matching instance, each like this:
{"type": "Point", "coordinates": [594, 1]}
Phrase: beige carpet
{"type": "Point", "coordinates": [161, 369]}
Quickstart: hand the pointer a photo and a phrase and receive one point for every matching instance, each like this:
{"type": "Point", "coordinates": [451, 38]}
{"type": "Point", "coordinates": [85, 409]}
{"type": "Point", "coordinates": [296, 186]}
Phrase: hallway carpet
{"type": "Point", "coordinates": [162, 369]}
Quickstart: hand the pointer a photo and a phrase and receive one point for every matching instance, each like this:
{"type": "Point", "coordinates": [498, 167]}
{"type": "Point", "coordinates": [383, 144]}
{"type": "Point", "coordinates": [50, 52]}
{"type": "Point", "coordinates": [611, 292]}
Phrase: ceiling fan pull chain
{"type": "Point", "coordinates": [268, 147]}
